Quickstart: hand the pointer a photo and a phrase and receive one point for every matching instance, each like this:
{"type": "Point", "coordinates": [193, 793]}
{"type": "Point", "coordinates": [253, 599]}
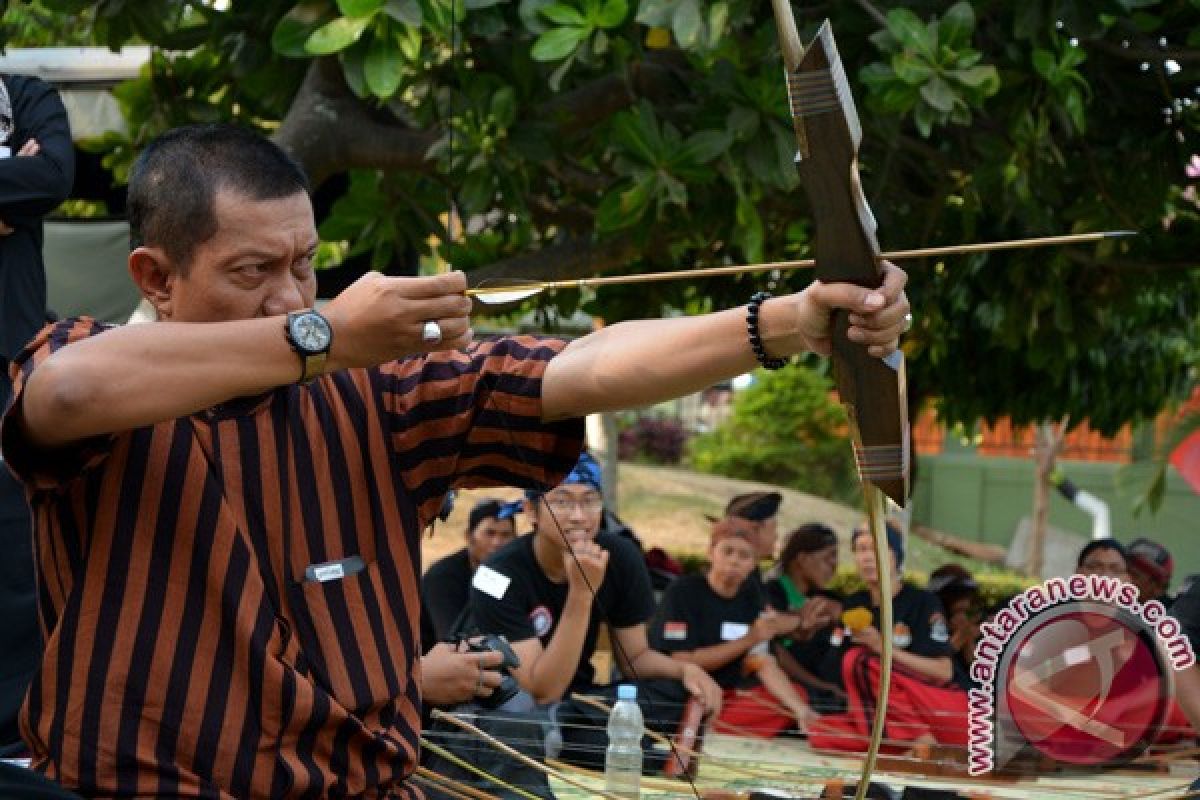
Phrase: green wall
{"type": "Point", "coordinates": [984, 498]}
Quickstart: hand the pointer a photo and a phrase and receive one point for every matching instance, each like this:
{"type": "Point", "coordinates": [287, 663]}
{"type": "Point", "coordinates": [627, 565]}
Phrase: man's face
{"type": "Point", "coordinates": [257, 264]}
{"type": "Point", "coordinates": [1105, 561]}
{"type": "Point", "coordinates": [733, 559]}
{"type": "Point", "coordinates": [864, 558]}
{"type": "Point", "coordinates": [488, 536]}
{"type": "Point", "coordinates": [571, 511]}
{"type": "Point", "coordinates": [818, 568]}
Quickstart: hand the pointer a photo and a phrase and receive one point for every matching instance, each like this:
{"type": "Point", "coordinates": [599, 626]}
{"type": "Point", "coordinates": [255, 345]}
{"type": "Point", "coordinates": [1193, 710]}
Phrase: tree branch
{"type": "Point", "coordinates": [315, 130]}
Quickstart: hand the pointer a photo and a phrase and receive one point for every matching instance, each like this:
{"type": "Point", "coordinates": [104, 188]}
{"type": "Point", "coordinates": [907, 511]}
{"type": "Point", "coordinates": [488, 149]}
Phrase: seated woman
{"type": "Point", "coordinates": [718, 621]}
{"type": "Point", "coordinates": [924, 706]}
{"type": "Point", "coordinates": [806, 566]}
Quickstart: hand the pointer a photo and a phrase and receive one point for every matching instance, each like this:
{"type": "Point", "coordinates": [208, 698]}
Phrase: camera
{"type": "Point", "coordinates": [508, 687]}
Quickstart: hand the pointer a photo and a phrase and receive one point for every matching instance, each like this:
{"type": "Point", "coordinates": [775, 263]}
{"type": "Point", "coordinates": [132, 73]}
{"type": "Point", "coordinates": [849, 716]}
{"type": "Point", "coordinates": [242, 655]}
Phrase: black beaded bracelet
{"type": "Point", "coordinates": [756, 343]}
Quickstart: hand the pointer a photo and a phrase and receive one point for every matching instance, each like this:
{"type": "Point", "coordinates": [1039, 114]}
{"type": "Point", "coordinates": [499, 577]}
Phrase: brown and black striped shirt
{"type": "Point", "coordinates": [187, 655]}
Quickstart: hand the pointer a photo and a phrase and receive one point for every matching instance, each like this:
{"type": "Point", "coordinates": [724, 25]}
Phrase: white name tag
{"type": "Point", "coordinates": [733, 630]}
{"type": "Point", "coordinates": [490, 582]}
{"type": "Point", "coordinates": [5, 151]}
{"type": "Point", "coordinates": [329, 572]}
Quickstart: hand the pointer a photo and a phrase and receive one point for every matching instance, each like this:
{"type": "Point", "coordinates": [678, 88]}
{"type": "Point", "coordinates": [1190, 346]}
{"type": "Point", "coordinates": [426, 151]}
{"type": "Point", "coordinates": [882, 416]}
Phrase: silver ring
{"type": "Point", "coordinates": [908, 323]}
{"type": "Point", "coordinates": [479, 680]}
{"type": "Point", "coordinates": [431, 333]}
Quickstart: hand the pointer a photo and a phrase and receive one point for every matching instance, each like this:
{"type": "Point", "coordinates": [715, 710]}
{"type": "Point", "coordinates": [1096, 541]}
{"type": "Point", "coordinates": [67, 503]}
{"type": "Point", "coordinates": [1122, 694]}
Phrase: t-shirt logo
{"type": "Point", "coordinates": [901, 635]}
{"type": "Point", "coordinates": [675, 631]}
{"type": "Point", "coordinates": [542, 619]}
{"type": "Point", "coordinates": [938, 630]}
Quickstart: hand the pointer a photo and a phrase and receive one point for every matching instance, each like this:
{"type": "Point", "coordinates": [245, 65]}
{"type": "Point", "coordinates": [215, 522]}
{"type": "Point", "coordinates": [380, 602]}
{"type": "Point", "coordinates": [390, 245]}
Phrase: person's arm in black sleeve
{"type": "Point", "coordinates": [33, 186]}
{"type": "Point", "coordinates": [445, 601]}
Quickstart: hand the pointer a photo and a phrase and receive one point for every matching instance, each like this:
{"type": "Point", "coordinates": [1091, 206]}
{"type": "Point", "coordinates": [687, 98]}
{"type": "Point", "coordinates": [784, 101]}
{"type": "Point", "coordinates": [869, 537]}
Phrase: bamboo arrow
{"type": "Point", "coordinates": [519, 290]}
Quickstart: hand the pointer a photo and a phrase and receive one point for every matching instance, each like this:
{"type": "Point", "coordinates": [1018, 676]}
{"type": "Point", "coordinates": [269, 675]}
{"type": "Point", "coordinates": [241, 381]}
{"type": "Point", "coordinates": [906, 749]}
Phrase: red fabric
{"type": "Point", "coordinates": [1186, 459]}
{"type": "Point", "coordinates": [755, 712]}
{"type": "Point", "coordinates": [915, 708]}
{"type": "Point", "coordinates": [1175, 726]}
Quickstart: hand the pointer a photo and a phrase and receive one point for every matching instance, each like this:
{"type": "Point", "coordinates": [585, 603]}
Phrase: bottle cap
{"type": "Point", "coordinates": [627, 691]}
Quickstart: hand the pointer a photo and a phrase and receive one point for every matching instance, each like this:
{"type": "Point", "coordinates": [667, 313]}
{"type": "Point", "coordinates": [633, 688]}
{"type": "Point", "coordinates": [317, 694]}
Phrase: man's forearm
{"type": "Point", "coordinates": [713, 657]}
{"type": "Point", "coordinates": [643, 362]}
{"type": "Point", "coordinates": [139, 375]}
{"type": "Point", "coordinates": [939, 670]}
{"type": "Point", "coordinates": [555, 667]}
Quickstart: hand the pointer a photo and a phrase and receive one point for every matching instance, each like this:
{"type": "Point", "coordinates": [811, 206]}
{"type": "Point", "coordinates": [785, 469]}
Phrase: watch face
{"type": "Point", "coordinates": [310, 332]}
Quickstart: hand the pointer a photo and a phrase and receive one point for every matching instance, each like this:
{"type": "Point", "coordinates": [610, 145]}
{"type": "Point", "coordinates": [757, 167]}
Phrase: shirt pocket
{"type": "Point", "coordinates": [353, 644]}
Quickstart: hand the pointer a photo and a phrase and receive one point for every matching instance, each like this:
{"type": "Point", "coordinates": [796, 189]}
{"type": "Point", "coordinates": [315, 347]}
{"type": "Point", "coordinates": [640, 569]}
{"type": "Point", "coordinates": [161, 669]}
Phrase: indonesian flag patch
{"type": "Point", "coordinates": [674, 631]}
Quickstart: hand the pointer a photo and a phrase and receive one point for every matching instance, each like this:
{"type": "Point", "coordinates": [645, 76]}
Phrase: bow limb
{"type": "Point", "coordinates": [873, 390]}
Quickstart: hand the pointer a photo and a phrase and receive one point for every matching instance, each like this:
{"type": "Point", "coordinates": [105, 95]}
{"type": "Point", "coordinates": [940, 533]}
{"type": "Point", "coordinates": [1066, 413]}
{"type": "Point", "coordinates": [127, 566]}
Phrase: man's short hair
{"type": "Point", "coordinates": [1101, 544]}
{"type": "Point", "coordinates": [175, 180]}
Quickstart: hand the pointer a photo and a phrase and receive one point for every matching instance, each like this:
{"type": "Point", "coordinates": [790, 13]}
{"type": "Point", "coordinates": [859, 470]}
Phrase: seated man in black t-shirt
{"type": "Point", "coordinates": [718, 621]}
{"type": "Point", "coordinates": [446, 585]}
{"type": "Point", "coordinates": [924, 706]}
{"type": "Point", "coordinates": [807, 564]}
{"type": "Point", "coordinates": [548, 592]}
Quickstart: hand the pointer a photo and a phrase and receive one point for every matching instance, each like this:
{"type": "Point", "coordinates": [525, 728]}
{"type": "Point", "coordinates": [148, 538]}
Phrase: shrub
{"type": "Point", "coordinates": [786, 429]}
{"type": "Point", "coordinates": [655, 439]}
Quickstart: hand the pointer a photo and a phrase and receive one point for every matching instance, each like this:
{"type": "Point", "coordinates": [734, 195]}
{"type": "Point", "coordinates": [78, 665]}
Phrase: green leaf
{"type": "Point", "coordinates": [353, 69]}
{"type": "Point", "coordinates": [687, 23]}
{"type": "Point", "coordinates": [909, 30]}
{"type": "Point", "coordinates": [956, 25]}
{"type": "Point", "coordinates": [718, 19]}
{"type": "Point", "coordinates": [383, 67]}
{"type": "Point", "coordinates": [557, 43]}
{"type": "Point", "coordinates": [939, 94]}
{"type": "Point", "coordinates": [704, 146]}
{"type": "Point", "coordinates": [924, 118]}
{"type": "Point", "coordinates": [911, 70]}
{"type": "Point", "coordinates": [504, 106]}
{"type": "Point", "coordinates": [530, 12]}
{"type": "Point", "coordinates": [655, 13]}
{"type": "Point", "coordinates": [742, 122]}
{"type": "Point", "coordinates": [637, 132]}
{"type": "Point", "coordinates": [565, 15]}
{"type": "Point", "coordinates": [749, 229]}
{"type": "Point", "coordinates": [1045, 63]}
{"type": "Point", "coordinates": [407, 12]}
{"type": "Point", "coordinates": [294, 28]}
{"type": "Point", "coordinates": [622, 209]}
{"type": "Point", "coordinates": [335, 35]}
{"type": "Point", "coordinates": [359, 8]}
{"type": "Point", "coordinates": [612, 13]}
{"type": "Point", "coordinates": [985, 79]}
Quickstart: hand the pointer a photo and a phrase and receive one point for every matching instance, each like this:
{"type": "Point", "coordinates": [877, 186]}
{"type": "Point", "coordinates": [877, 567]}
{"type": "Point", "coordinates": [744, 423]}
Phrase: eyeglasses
{"type": "Point", "coordinates": [564, 505]}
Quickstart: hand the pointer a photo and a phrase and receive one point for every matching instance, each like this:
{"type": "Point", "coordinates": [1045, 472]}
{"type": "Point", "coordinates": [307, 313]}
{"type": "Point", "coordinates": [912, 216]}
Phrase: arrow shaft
{"type": "Point", "coordinates": [804, 263]}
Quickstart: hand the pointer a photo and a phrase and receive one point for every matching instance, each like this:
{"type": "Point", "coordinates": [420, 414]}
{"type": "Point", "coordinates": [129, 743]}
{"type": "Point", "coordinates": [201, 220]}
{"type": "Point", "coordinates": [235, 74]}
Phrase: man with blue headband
{"type": "Point", "coordinates": [548, 592]}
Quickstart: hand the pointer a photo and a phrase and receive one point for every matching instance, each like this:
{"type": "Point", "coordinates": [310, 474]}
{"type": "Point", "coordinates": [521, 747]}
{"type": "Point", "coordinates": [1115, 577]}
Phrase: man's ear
{"type": "Point", "coordinates": [155, 276]}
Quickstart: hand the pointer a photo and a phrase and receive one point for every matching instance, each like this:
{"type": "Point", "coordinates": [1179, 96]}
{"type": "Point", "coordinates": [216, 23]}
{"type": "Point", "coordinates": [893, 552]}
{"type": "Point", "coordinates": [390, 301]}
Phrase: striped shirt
{"type": "Point", "coordinates": [187, 653]}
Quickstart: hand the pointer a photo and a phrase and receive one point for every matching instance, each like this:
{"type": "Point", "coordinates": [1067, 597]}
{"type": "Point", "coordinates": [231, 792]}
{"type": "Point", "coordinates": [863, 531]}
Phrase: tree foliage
{"type": "Point", "coordinates": [584, 136]}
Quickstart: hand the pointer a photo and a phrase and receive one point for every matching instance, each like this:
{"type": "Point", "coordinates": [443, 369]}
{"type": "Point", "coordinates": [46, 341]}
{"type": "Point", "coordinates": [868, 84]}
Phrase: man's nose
{"type": "Point", "coordinates": [284, 296]}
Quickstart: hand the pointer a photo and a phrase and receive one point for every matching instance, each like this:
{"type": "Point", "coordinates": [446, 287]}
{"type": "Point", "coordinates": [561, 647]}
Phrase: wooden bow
{"type": "Point", "coordinates": [873, 390]}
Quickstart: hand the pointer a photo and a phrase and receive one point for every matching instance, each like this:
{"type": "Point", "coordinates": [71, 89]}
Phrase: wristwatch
{"type": "Point", "coordinates": [310, 336]}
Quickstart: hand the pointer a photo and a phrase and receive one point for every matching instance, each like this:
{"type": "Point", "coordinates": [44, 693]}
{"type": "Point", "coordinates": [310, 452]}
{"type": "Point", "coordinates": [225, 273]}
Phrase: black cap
{"type": "Point", "coordinates": [754, 506]}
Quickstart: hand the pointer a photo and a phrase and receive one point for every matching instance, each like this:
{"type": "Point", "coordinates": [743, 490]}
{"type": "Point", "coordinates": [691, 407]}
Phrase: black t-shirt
{"type": "Point", "coordinates": [810, 653]}
{"type": "Point", "coordinates": [918, 626]}
{"type": "Point", "coordinates": [692, 616]}
{"type": "Point", "coordinates": [510, 595]}
{"type": "Point", "coordinates": [445, 589]}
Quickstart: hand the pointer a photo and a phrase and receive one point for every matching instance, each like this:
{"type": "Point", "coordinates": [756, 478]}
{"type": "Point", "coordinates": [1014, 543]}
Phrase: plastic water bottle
{"type": "Point", "coordinates": [623, 762]}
